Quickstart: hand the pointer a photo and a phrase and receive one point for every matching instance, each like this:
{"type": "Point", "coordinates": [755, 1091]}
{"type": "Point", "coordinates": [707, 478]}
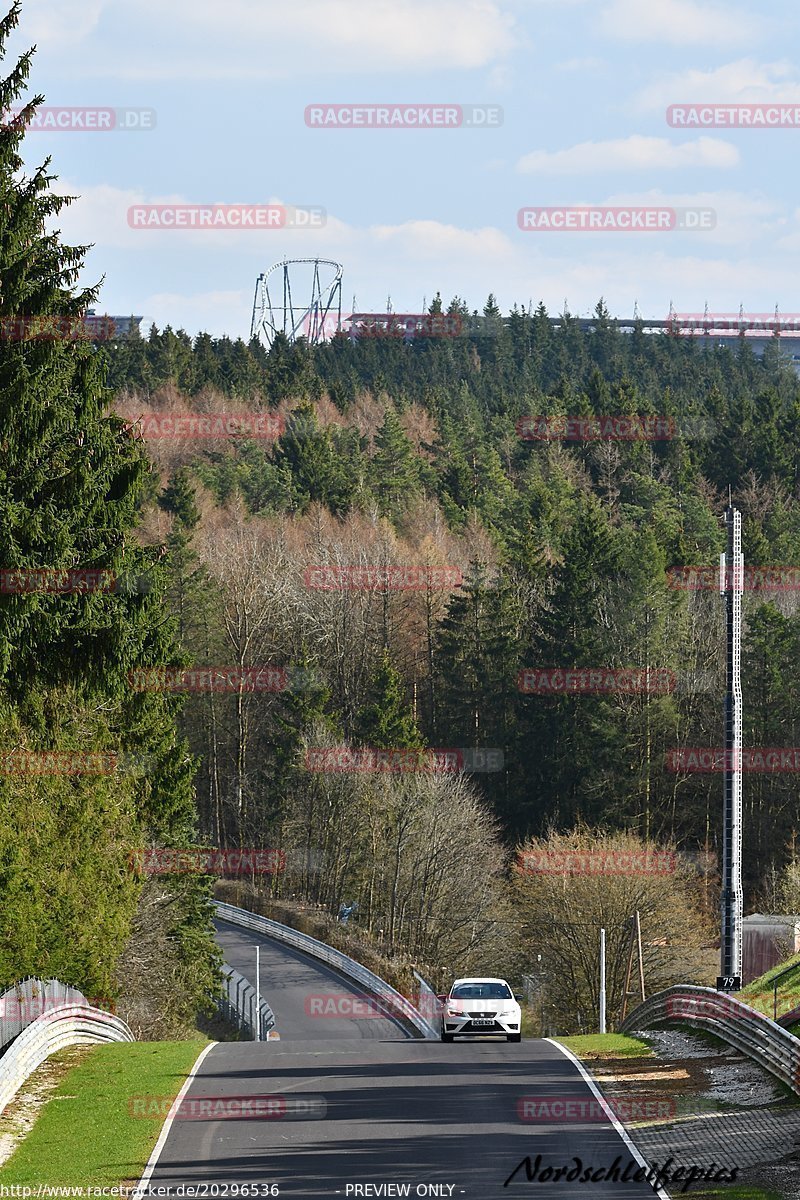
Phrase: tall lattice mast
{"type": "Point", "coordinates": [731, 587]}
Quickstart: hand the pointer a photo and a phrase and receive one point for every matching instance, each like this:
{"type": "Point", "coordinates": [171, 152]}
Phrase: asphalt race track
{"type": "Point", "coordinates": [289, 981]}
{"type": "Point", "coordinates": [360, 1108]}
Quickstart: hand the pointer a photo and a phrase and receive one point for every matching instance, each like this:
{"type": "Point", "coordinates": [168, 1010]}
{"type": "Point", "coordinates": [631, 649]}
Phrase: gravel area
{"type": "Point", "coordinates": [715, 1106]}
{"type": "Point", "coordinates": [733, 1078]}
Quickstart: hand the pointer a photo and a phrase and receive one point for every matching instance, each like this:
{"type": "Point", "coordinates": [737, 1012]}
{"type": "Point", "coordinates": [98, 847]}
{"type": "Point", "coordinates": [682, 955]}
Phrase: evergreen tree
{"type": "Point", "coordinates": [309, 455]}
{"type": "Point", "coordinates": [386, 721]}
{"type": "Point", "coordinates": [395, 466]}
{"type": "Point", "coordinates": [478, 656]}
{"type": "Point", "coordinates": [70, 482]}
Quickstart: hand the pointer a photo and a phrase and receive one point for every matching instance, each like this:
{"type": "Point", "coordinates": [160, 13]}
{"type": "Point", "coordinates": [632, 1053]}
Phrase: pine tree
{"type": "Point", "coordinates": [70, 482]}
{"type": "Point", "coordinates": [478, 655]}
{"type": "Point", "coordinates": [318, 472]}
{"type": "Point", "coordinates": [386, 721]}
{"type": "Point", "coordinates": [571, 778]}
{"type": "Point", "coordinates": [395, 469]}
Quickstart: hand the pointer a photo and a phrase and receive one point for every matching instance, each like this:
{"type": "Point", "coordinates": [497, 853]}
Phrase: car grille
{"type": "Point", "coordinates": [482, 1014]}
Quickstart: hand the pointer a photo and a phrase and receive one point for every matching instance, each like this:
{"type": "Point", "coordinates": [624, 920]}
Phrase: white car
{"type": "Point", "coordinates": [481, 1006]}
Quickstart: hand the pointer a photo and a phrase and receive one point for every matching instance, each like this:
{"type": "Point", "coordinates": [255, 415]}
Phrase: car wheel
{"type": "Point", "coordinates": [514, 1037]}
{"type": "Point", "coordinates": [447, 1037]}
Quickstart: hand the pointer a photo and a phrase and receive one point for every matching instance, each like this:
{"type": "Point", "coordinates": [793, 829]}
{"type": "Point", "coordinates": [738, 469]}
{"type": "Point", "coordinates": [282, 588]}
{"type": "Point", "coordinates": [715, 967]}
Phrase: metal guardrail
{"type": "Point", "coordinates": [789, 1018]}
{"type": "Point", "coordinates": [734, 1022]}
{"type": "Point", "coordinates": [238, 1006]}
{"type": "Point", "coordinates": [21, 1004]}
{"type": "Point", "coordinates": [775, 983]}
{"type": "Point", "coordinates": [428, 1003]}
{"type": "Point", "coordinates": [396, 1005]}
{"type": "Point", "coordinates": [69, 1025]}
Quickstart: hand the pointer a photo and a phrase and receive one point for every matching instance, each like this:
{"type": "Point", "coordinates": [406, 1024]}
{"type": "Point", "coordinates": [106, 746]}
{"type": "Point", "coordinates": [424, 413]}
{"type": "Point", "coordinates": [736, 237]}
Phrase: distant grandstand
{"type": "Point", "coordinates": [759, 330]}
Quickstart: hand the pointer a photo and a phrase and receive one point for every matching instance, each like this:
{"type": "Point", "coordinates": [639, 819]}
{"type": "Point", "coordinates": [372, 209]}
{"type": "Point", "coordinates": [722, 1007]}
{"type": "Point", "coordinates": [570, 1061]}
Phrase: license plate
{"type": "Point", "coordinates": [482, 1021]}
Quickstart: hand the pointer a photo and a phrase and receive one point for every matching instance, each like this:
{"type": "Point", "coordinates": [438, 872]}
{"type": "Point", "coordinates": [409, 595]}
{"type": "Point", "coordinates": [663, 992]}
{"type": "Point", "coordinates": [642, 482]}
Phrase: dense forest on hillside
{"type": "Point", "coordinates": [373, 570]}
{"type": "Point", "coordinates": [407, 452]}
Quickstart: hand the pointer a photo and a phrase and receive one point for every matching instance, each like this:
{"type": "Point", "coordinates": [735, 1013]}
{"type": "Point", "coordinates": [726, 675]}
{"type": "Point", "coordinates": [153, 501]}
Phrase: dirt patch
{"type": "Point", "coordinates": [21, 1113]}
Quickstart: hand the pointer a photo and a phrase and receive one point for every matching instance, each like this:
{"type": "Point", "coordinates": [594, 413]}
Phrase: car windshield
{"type": "Point", "coordinates": [481, 991]}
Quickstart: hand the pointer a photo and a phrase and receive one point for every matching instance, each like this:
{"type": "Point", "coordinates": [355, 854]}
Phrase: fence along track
{"type": "Point", "coordinates": [66, 1025]}
{"type": "Point", "coordinates": [21, 1004]}
{"type": "Point", "coordinates": [238, 1006]}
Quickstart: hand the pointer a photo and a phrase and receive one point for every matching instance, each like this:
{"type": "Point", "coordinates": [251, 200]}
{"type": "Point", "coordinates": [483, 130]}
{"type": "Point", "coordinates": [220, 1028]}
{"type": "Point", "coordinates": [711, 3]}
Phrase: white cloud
{"type": "Point", "coordinates": [587, 63]}
{"type": "Point", "coordinates": [425, 241]}
{"type": "Point", "coordinates": [59, 23]}
{"type": "Point", "coordinates": [742, 219]}
{"type": "Point", "coordinates": [635, 153]}
{"type": "Point", "coordinates": [196, 39]}
{"type": "Point", "coordinates": [789, 242]}
{"type": "Point", "coordinates": [678, 23]}
{"type": "Point", "coordinates": [501, 78]}
{"type": "Point", "coordinates": [672, 22]}
{"type": "Point", "coordinates": [99, 215]}
{"type": "Point", "coordinates": [744, 81]}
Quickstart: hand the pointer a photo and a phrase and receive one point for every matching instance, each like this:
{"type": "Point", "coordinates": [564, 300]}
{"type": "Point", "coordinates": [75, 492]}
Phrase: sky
{"type": "Point", "coordinates": [575, 95]}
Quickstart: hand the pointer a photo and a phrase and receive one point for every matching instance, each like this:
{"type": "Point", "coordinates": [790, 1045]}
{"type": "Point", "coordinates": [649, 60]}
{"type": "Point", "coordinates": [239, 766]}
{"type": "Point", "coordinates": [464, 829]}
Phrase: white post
{"type": "Point", "coordinates": [258, 994]}
{"type": "Point", "coordinates": [602, 980]}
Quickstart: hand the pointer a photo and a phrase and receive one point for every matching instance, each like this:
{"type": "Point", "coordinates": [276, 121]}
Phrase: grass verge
{"type": "Point", "coordinates": [86, 1134]}
{"type": "Point", "coordinates": [742, 1191]}
{"type": "Point", "coordinates": [759, 994]}
{"type": "Point", "coordinates": [606, 1045]}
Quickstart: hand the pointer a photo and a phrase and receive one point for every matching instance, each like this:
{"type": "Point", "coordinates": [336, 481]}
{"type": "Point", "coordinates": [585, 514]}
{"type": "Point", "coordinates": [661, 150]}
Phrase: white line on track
{"type": "Point", "coordinates": [141, 1188]}
{"type": "Point", "coordinates": [620, 1128]}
